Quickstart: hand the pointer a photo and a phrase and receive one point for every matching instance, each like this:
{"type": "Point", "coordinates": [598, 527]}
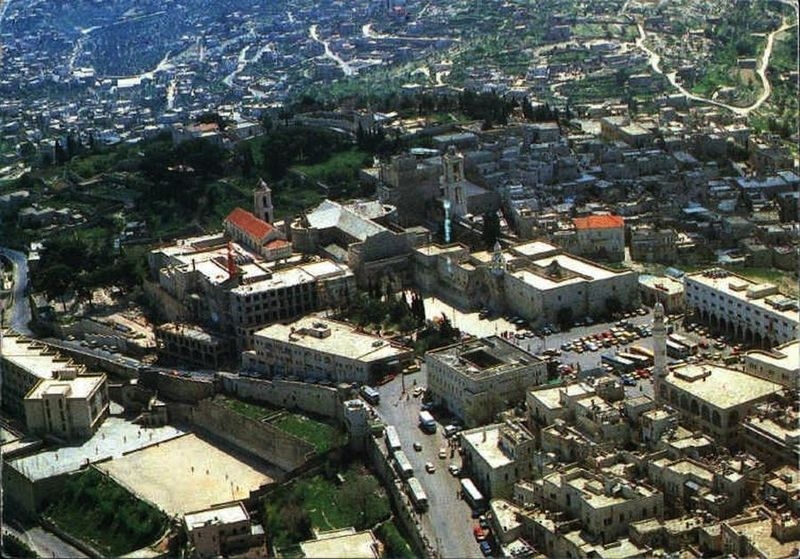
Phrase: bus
{"type": "Point", "coordinates": [404, 468]}
{"type": "Point", "coordinates": [676, 350]}
{"type": "Point", "coordinates": [639, 350]}
{"type": "Point", "coordinates": [472, 495]}
{"type": "Point", "coordinates": [619, 363]}
{"type": "Point", "coordinates": [370, 395]}
{"type": "Point", "coordinates": [417, 494]}
{"type": "Point", "coordinates": [639, 360]}
{"type": "Point", "coordinates": [691, 346]}
{"type": "Point", "coordinates": [391, 438]}
{"type": "Point", "coordinates": [426, 422]}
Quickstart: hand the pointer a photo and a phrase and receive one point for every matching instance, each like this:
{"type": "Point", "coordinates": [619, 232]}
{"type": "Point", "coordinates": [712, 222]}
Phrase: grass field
{"type": "Point", "coordinates": [94, 508]}
{"type": "Point", "coordinates": [319, 502]}
{"type": "Point", "coordinates": [322, 435]}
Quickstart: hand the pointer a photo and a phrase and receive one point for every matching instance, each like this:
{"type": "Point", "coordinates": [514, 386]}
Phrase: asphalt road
{"type": "Point", "coordinates": [448, 522]}
{"type": "Point", "coordinates": [21, 310]}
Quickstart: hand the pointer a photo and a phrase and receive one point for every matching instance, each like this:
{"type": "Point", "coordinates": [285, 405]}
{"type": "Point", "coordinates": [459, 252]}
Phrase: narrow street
{"type": "Point", "coordinates": [20, 312]}
{"type": "Point", "coordinates": [448, 522]}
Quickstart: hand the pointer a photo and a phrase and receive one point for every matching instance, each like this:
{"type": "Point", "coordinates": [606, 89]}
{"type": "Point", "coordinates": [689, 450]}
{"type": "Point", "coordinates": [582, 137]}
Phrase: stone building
{"type": "Point", "coordinates": [497, 456]}
{"type": "Point", "coordinates": [324, 349]}
{"type": "Point", "coordinates": [478, 378]}
{"type": "Point", "coordinates": [712, 398]}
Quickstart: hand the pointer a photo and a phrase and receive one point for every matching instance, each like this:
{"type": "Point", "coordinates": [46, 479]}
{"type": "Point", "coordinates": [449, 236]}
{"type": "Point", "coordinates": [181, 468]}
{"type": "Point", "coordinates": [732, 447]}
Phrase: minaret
{"type": "Point", "coordinates": [659, 342]}
{"type": "Point", "coordinates": [262, 202]}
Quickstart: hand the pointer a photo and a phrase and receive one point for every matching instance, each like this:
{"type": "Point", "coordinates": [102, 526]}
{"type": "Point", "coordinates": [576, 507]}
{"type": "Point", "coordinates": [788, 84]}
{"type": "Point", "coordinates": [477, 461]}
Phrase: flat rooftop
{"type": "Point", "coordinates": [186, 474]}
{"type": "Point", "coordinates": [217, 515]}
{"type": "Point", "coordinates": [668, 285]}
{"type": "Point", "coordinates": [483, 357]}
{"type": "Point", "coordinates": [786, 356]}
{"type": "Point", "coordinates": [191, 331]}
{"type": "Point", "coordinates": [485, 441]}
{"type": "Point", "coordinates": [78, 388]}
{"type": "Point", "coordinates": [35, 357]}
{"type": "Point", "coordinates": [345, 544]}
{"type": "Point", "coordinates": [595, 495]}
{"type": "Point", "coordinates": [687, 467]}
{"type": "Point", "coordinates": [343, 341]}
{"type": "Point", "coordinates": [113, 439]}
{"type": "Point", "coordinates": [719, 386]}
{"type": "Point", "coordinates": [551, 397]}
{"type": "Point", "coordinates": [534, 249]}
{"type": "Point", "coordinates": [759, 532]}
{"type": "Point", "coordinates": [581, 267]}
{"type": "Point", "coordinates": [737, 287]}
{"type": "Point", "coordinates": [296, 275]}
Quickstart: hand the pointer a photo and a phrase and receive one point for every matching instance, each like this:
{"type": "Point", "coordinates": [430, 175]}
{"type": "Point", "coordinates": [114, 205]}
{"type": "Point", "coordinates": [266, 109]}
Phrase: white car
{"type": "Point", "coordinates": [442, 453]}
{"type": "Point", "coordinates": [429, 467]}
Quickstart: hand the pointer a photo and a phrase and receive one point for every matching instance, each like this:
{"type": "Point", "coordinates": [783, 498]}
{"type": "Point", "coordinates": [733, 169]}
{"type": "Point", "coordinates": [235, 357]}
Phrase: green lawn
{"type": "Point", "coordinates": [97, 510]}
{"type": "Point", "coordinates": [253, 411]}
{"type": "Point", "coordinates": [322, 435]}
{"type": "Point", "coordinates": [319, 502]}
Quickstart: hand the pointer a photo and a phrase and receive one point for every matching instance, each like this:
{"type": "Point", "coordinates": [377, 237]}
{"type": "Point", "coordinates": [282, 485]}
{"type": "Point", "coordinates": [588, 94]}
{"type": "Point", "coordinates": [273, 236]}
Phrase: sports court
{"type": "Point", "coordinates": [185, 474]}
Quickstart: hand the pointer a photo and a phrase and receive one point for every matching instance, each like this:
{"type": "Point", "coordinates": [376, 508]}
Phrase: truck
{"type": "Point", "coordinates": [426, 422]}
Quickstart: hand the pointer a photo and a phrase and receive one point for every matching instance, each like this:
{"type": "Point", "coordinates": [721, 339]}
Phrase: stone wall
{"type": "Point", "coordinates": [254, 437]}
{"type": "Point", "coordinates": [171, 386]}
{"type": "Point", "coordinates": [312, 398]}
{"type": "Point", "coordinates": [401, 504]}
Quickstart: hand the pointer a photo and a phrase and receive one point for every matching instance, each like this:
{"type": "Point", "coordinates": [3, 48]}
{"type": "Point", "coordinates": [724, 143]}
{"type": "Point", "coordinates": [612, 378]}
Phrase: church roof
{"type": "Point", "coordinates": [250, 224]}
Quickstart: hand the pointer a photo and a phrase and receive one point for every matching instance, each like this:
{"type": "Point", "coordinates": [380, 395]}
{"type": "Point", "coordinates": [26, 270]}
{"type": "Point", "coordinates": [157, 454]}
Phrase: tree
{"type": "Point", "coordinates": [491, 228]}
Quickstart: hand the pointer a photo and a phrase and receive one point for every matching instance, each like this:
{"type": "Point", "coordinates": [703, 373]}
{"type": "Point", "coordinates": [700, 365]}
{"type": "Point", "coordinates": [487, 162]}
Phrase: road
{"type": "Point", "coordinates": [41, 542]}
{"type": "Point", "coordinates": [655, 61]}
{"type": "Point", "coordinates": [346, 68]}
{"type": "Point", "coordinates": [20, 310]}
{"type": "Point", "coordinates": [448, 522]}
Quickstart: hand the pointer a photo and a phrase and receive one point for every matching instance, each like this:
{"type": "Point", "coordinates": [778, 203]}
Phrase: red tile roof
{"type": "Point", "coordinates": [250, 224]}
{"type": "Point", "coordinates": [276, 243]}
{"type": "Point", "coordinates": [599, 222]}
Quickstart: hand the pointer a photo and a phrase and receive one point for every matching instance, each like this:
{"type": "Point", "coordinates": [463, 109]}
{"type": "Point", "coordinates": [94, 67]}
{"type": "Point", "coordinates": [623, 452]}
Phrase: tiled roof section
{"type": "Point", "coordinates": [247, 222]}
{"type": "Point", "coordinates": [598, 222]}
{"type": "Point", "coordinates": [277, 243]}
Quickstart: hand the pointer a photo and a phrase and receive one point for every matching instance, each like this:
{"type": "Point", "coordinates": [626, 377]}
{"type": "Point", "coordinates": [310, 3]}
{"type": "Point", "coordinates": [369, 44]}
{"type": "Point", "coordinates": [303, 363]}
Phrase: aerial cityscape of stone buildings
{"type": "Point", "coordinates": [615, 380]}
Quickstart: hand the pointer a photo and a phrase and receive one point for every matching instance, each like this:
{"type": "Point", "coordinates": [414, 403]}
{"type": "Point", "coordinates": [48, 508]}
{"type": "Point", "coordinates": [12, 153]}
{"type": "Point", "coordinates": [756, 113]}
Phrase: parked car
{"type": "Point", "coordinates": [454, 470]}
{"type": "Point", "coordinates": [479, 533]}
{"type": "Point", "coordinates": [486, 548]}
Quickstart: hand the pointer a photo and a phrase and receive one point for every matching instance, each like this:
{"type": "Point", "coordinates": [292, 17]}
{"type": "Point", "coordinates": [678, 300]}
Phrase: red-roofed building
{"type": "Point", "coordinates": [599, 222]}
{"type": "Point", "coordinates": [257, 235]}
{"type": "Point", "coordinates": [595, 236]}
